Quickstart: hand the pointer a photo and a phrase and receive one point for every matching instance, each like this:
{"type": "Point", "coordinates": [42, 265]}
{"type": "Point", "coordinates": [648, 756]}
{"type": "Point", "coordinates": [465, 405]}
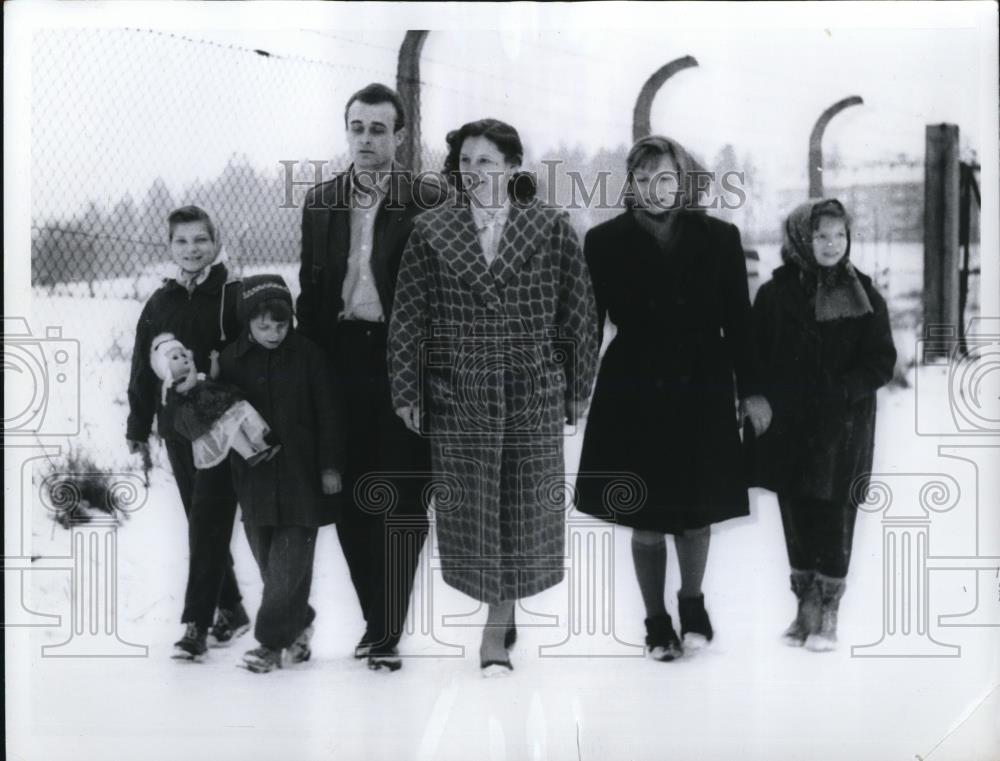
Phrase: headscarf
{"type": "Point", "coordinates": [663, 227]}
{"type": "Point", "coordinates": [839, 292]}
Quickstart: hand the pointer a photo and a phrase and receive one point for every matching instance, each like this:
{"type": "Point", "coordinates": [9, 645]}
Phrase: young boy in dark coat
{"type": "Point", "coordinates": [825, 347]}
{"type": "Point", "coordinates": [198, 306]}
{"type": "Point", "coordinates": [285, 499]}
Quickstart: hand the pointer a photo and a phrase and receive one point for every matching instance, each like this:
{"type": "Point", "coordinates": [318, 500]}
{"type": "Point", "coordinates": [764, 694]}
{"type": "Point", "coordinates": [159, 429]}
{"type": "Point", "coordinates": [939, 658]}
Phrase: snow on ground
{"type": "Point", "coordinates": [746, 697]}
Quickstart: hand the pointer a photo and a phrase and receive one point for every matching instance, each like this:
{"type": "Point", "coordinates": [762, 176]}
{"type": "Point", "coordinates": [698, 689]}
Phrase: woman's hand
{"type": "Point", "coordinates": [757, 409]}
{"type": "Point", "coordinates": [410, 416]}
{"type": "Point", "coordinates": [330, 481]}
{"type": "Point", "coordinates": [575, 410]}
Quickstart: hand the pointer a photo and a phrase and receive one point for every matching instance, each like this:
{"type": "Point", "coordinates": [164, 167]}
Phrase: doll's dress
{"type": "Point", "coordinates": [216, 418]}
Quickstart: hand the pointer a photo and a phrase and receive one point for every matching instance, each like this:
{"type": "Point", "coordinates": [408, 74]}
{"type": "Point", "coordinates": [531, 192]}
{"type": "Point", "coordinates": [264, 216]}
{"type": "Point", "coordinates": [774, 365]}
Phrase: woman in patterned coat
{"type": "Point", "coordinates": [492, 348]}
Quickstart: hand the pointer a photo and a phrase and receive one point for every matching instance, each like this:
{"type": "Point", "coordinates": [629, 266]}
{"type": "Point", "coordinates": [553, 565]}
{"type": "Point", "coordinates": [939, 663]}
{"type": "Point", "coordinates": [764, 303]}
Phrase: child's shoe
{"type": "Point", "coordinates": [229, 625]}
{"type": "Point", "coordinates": [807, 616]}
{"type": "Point", "coordinates": [261, 660]}
{"type": "Point", "coordinates": [299, 651]}
{"type": "Point", "coordinates": [662, 642]}
{"type": "Point", "coordinates": [192, 646]}
{"type": "Point", "coordinates": [696, 628]}
{"type": "Point", "coordinates": [830, 592]}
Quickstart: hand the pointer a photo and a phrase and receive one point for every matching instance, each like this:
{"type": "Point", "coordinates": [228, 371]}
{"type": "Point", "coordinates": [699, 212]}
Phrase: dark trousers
{"type": "Point", "coordinates": [381, 541]}
{"type": "Point", "coordinates": [284, 555]}
{"type": "Point", "coordinates": [210, 505]}
{"type": "Point", "coordinates": [818, 534]}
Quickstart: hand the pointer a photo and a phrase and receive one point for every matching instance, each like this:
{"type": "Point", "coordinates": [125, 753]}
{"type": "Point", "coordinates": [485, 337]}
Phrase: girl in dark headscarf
{"type": "Point", "coordinates": [825, 347]}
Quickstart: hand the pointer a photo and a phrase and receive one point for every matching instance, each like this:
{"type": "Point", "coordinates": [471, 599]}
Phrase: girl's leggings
{"type": "Point", "coordinates": [818, 534]}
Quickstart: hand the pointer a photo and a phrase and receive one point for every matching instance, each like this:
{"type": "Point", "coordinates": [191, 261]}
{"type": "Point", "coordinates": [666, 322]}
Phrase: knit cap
{"type": "Point", "coordinates": [258, 289]}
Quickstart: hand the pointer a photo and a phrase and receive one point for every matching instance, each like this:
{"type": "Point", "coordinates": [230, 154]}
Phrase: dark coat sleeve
{"type": "Point", "coordinates": [143, 385]}
{"type": "Point", "coordinates": [876, 355]}
{"type": "Point", "coordinates": [763, 330]}
{"type": "Point", "coordinates": [600, 286]}
{"type": "Point", "coordinates": [307, 305]}
{"type": "Point", "coordinates": [736, 318]}
{"type": "Point", "coordinates": [327, 403]}
{"type": "Point", "coordinates": [576, 314]}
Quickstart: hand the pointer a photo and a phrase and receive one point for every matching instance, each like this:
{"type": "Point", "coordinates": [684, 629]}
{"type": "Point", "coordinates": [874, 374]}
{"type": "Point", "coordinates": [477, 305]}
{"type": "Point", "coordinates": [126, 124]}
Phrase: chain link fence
{"type": "Point", "coordinates": [128, 124]}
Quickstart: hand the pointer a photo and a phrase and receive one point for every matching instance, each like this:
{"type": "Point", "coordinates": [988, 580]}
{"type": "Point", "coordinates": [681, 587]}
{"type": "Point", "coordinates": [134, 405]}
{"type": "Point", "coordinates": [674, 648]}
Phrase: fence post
{"type": "Point", "coordinates": [408, 85]}
{"type": "Point", "coordinates": [941, 228]}
{"type": "Point", "coordinates": [816, 143]}
{"type": "Point", "coordinates": [643, 104]}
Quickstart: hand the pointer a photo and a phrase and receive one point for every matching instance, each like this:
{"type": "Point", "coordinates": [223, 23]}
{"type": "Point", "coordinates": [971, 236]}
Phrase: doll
{"type": "Point", "coordinates": [213, 416]}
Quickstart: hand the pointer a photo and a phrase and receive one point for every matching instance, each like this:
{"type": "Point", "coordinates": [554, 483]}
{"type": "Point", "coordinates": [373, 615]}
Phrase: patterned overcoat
{"type": "Point", "coordinates": [491, 353]}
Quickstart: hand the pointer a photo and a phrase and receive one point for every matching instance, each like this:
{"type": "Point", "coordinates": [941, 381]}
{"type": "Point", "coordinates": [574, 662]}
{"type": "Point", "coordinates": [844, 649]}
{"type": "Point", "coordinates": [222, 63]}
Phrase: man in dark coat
{"type": "Point", "coordinates": [354, 229]}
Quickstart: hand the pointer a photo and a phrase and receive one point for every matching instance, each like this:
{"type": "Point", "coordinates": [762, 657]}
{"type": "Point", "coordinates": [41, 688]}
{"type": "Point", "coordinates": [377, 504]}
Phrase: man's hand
{"type": "Point", "coordinates": [410, 417]}
{"type": "Point", "coordinates": [331, 483]}
{"type": "Point", "coordinates": [757, 409]}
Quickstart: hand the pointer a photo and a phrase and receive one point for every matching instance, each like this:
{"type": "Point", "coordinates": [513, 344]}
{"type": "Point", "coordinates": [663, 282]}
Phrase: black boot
{"type": "Point", "coordinates": [830, 590]}
{"type": "Point", "coordinates": [694, 620]}
{"type": "Point", "coordinates": [662, 642]}
{"type": "Point", "coordinates": [193, 645]}
{"type": "Point", "coordinates": [229, 625]}
{"type": "Point", "coordinates": [807, 615]}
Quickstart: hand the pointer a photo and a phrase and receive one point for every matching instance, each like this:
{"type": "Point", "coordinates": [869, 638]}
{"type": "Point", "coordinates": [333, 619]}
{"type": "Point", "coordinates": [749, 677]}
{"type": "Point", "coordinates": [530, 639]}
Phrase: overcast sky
{"type": "Point", "coordinates": [112, 109]}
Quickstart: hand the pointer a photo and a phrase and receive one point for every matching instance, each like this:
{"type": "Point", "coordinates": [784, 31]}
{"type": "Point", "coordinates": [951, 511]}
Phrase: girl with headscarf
{"type": "Point", "coordinates": [662, 451]}
{"type": "Point", "coordinates": [824, 347]}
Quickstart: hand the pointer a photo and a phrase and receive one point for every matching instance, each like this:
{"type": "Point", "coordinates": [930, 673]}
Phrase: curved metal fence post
{"type": "Point", "coordinates": [408, 86]}
{"type": "Point", "coordinates": [644, 103]}
{"type": "Point", "coordinates": [816, 143]}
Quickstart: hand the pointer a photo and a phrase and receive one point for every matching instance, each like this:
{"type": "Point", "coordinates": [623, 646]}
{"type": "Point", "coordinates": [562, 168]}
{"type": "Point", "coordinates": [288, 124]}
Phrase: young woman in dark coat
{"type": "Point", "coordinates": [825, 347]}
{"type": "Point", "coordinates": [663, 420]}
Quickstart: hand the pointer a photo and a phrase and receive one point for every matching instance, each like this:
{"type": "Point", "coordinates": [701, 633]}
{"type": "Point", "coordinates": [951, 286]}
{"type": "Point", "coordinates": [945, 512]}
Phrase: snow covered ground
{"type": "Point", "coordinates": [746, 697]}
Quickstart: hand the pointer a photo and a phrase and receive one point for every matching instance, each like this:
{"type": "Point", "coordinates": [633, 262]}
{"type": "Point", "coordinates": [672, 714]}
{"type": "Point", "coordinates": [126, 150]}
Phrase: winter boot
{"type": "Point", "coordinates": [261, 660]}
{"type": "Point", "coordinates": [830, 590]}
{"type": "Point", "coordinates": [229, 625]}
{"type": "Point", "coordinates": [299, 651]}
{"type": "Point", "coordinates": [696, 629]}
{"type": "Point", "coordinates": [662, 642]}
{"type": "Point", "coordinates": [192, 646]}
{"type": "Point", "coordinates": [807, 616]}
